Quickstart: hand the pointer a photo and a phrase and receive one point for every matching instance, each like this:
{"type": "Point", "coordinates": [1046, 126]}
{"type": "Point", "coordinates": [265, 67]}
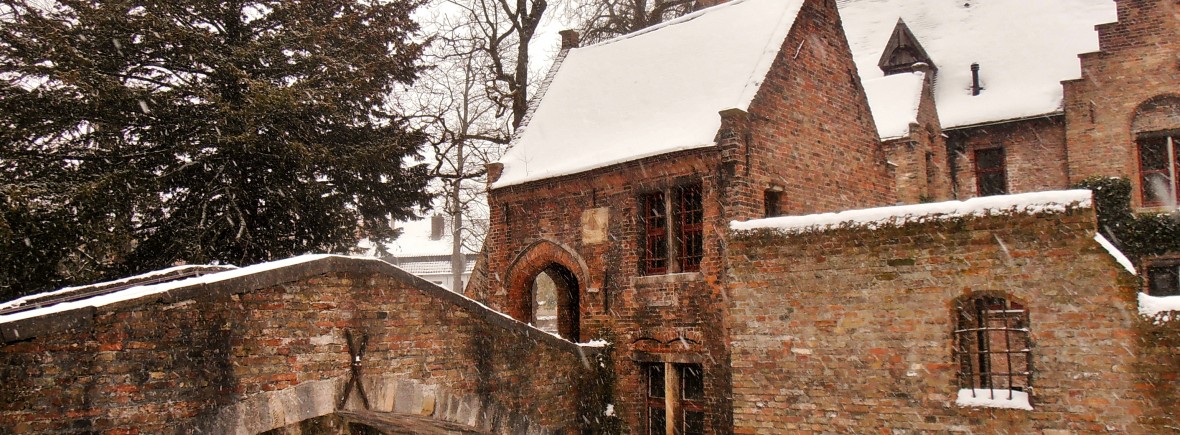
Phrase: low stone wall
{"type": "Point", "coordinates": [851, 330]}
{"type": "Point", "coordinates": [268, 350]}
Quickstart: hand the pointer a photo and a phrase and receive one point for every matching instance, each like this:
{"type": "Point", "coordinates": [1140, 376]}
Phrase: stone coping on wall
{"type": "Point", "coordinates": [1057, 201]}
{"type": "Point", "coordinates": [79, 315]}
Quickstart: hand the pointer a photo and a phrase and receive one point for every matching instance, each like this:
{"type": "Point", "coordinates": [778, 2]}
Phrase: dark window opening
{"type": "Point", "coordinates": [992, 345]}
{"type": "Point", "coordinates": [1164, 279]}
{"type": "Point", "coordinates": [773, 202]}
{"type": "Point", "coordinates": [684, 384]}
{"type": "Point", "coordinates": [692, 394]}
{"type": "Point", "coordinates": [990, 172]}
{"type": "Point", "coordinates": [1158, 158]}
{"type": "Point", "coordinates": [681, 238]}
{"type": "Point", "coordinates": [657, 421]}
{"type": "Point", "coordinates": [655, 253]}
{"type": "Point", "coordinates": [691, 234]}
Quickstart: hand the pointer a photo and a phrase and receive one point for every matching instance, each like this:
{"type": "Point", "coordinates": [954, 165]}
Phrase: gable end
{"type": "Point", "coordinates": [903, 52]}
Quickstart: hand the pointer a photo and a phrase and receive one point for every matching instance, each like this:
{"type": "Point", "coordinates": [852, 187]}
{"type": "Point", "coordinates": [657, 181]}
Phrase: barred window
{"type": "Point", "coordinates": [680, 238]}
{"type": "Point", "coordinates": [655, 234]}
{"type": "Point", "coordinates": [993, 348]}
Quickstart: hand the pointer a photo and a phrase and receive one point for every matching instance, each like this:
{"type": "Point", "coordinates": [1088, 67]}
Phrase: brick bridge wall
{"type": "Point", "coordinates": [850, 330]}
{"type": "Point", "coordinates": [267, 350]}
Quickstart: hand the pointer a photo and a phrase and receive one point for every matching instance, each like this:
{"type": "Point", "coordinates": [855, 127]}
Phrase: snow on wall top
{"type": "Point", "coordinates": [142, 277]}
{"type": "Point", "coordinates": [651, 92]}
{"type": "Point", "coordinates": [1037, 202]}
{"type": "Point", "coordinates": [148, 290]}
{"type": "Point", "coordinates": [1024, 49]}
{"type": "Point", "coordinates": [894, 101]}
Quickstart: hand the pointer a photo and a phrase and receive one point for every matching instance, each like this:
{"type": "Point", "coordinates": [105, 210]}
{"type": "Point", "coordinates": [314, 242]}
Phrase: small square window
{"type": "Point", "coordinates": [1164, 279]}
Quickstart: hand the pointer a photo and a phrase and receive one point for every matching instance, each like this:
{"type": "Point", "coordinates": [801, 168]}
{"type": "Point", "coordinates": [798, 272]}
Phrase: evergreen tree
{"type": "Point", "coordinates": [135, 134]}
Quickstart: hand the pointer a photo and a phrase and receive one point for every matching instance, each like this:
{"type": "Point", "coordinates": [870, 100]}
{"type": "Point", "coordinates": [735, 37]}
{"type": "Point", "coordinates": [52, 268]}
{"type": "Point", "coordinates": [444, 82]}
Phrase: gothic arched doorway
{"type": "Point", "coordinates": [555, 302]}
{"type": "Point", "coordinates": [545, 284]}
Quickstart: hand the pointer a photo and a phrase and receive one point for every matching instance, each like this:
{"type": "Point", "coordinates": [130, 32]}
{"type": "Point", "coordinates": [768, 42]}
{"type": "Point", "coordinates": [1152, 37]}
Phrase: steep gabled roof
{"type": "Point", "coordinates": [894, 101]}
{"type": "Point", "coordinates": [651, 92]}
{"type": "Point", "coordinates": [1025, 48]}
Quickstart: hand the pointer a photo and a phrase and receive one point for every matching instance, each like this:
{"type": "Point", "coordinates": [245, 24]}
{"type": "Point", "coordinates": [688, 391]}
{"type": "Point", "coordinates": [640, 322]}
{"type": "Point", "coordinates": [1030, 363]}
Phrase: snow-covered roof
{"type": "Point", "coordinates": [1024, 48]}
{"type": "Point", "coordinates": [651, 92]}
{"type": "Point", "coordinates": [894, 101]}
{"type": "Point", "coordinates": [1036, 202]}
{"type": "Point", "coordinates": [433, 267]}
{"type": "Point", "coordinates": [415, 241]}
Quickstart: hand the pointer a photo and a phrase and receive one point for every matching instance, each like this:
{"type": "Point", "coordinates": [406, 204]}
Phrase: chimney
{"type": "Point", "coordinates": [437, 224]}
{"type": "Point", "coordinates": [495, 169]}
{"type": "Point", "coordinates": [975, 88]}
{"type": "Point", "coordinates": [569, 39]}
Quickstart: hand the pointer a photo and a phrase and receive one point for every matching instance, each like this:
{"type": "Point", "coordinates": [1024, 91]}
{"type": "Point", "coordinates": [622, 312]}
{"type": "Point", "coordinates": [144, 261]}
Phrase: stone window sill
{"type": "Point", "coordinates": [670, 278]}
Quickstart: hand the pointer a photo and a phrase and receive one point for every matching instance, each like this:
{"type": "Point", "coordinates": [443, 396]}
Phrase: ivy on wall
{"type": "Point", "coordinates": [1137, 235]}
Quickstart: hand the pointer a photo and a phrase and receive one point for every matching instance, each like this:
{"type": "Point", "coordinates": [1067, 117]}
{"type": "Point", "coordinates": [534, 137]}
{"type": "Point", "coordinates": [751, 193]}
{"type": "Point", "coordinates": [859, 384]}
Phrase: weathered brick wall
{"type": "Point", "coordinates": [850, 330]}
{"type": "Point", "coordinates": [541, 222]}
{"type": "Point", "coordinates": [1034, 154]}
{"type": "Point", "coordinates": [1136, 62]}
{"type": "Point", "coordinates": [180, 361]}
{"type": "Point", "coordinates": [810, 130]}
{"type": "Point", "coordinates": [798, 136]}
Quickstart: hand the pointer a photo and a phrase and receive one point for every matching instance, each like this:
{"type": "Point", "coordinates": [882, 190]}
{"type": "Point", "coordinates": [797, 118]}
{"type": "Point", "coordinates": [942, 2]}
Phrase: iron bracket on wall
{"type": "Point", "coordinates": [356, 351]}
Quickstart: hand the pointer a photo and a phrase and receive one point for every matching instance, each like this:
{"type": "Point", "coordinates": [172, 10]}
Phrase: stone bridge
{"type": "Point", "coordinates": [315, 344]}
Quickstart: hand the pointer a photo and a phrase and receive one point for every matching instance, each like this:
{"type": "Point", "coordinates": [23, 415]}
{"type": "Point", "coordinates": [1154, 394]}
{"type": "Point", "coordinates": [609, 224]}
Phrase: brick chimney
{"type": "Point", "coordinates": [437, 225]}
{"type": "Point", "coordinates": [569, 39]}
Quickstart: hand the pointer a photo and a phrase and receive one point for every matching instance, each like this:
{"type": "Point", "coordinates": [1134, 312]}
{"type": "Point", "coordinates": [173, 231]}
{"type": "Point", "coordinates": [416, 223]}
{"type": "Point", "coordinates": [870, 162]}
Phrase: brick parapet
{"type": "Point", "coordinates": [181, 359]}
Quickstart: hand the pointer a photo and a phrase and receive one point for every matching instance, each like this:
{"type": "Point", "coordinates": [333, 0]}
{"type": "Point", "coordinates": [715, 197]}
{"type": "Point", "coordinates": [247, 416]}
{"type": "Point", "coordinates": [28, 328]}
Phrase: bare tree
{"type": "Point", "coordinates": [502, 30]}
{"type": "Point", "coordinates": [600, 20]}
{"type": "Point", "coordinates": [471, 102]}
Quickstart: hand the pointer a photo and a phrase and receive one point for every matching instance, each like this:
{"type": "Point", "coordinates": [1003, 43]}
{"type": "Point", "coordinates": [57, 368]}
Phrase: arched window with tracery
{"type": "Point", "coordinates": [993, 349]}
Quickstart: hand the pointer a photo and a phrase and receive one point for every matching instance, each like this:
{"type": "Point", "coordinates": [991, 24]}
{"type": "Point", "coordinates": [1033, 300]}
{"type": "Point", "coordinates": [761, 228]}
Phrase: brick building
{"type": "Point", "coordinates": [641, 150]}
{"type": "Point", "coordinates": [733, 201]}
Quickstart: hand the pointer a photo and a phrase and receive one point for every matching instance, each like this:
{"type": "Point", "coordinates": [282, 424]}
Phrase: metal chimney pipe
{"type": "Point", "coordinates": [975, 88]}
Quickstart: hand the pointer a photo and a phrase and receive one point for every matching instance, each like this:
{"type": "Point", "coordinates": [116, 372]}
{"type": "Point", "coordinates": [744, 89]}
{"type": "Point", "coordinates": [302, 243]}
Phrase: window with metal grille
{"type": "Point", "coordinates": [685, 385]}
{"type": "Point", "coordinates": [1163, 278]}
{"type": "Point", "coordinates": [990, 173]}
{"type": "Point", "coordinates": [992, 346]}
{"type": "Point", "coordinates": [680, 238]}
{"type": "Point", "coordinates": [1158, 156]}
{"type": "Point", "coordinates": [655, 223]}
{"type": "Point", "coordinates": [690, 213]}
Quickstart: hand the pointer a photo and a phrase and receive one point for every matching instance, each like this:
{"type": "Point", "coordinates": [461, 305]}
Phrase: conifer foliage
{"type": "Point", "coordinates": [135, 134]}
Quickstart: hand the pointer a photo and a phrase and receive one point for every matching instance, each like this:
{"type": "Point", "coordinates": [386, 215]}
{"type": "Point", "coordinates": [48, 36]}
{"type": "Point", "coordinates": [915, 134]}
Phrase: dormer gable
{"type": "Point", "coordinates": [903, 52]}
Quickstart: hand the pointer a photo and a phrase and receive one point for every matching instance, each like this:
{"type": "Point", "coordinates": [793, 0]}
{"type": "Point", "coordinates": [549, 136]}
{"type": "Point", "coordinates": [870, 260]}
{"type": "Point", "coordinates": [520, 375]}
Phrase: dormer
{"type": "Point", "coordinates": [903, 52]}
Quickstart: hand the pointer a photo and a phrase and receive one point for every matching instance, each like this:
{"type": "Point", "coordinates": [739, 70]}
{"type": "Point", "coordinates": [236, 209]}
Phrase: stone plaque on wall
{"type": "Point", "coordinates": [594, 225]}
